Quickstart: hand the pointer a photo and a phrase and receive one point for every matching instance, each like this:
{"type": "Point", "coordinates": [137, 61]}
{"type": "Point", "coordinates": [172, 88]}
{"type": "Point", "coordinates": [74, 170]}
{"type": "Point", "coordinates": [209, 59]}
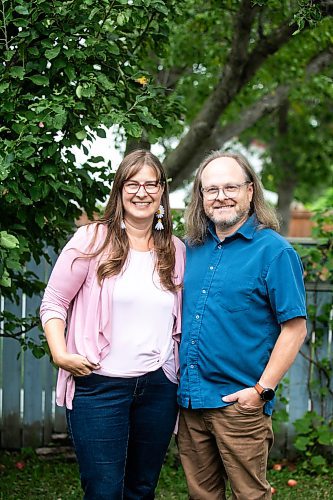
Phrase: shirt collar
{"type": "Point", "coordinates": [246, 230]}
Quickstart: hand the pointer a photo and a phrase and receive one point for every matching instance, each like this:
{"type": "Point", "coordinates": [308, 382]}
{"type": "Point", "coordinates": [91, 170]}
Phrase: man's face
{"type": "Point", "coordinates": [228, 213]}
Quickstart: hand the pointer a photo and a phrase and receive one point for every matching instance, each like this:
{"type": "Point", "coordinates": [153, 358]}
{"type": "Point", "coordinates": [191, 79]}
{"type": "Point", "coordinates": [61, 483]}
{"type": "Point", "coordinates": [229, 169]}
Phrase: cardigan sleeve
{"type": "Point", "coordinates": [179, 277]}
{"type": "Point", "coordinates": [68, 275]}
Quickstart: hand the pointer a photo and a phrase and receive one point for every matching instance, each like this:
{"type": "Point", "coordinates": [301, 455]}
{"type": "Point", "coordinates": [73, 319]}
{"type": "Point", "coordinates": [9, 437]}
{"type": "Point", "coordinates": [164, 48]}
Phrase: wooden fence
{"type": "Point", "coordinates": [28, 414]}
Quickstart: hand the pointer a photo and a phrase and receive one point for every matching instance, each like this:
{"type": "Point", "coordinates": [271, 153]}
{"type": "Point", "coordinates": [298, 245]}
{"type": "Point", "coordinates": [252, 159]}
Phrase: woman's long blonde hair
{"type": "Point", "coordinates": [115, 247]}
{"type": "Point", "coordinates": [197, 221]}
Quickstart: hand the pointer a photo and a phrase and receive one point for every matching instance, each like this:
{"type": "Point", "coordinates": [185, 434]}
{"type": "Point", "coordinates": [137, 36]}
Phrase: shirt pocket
{"type": "Point", "coordinates": [236, 292]}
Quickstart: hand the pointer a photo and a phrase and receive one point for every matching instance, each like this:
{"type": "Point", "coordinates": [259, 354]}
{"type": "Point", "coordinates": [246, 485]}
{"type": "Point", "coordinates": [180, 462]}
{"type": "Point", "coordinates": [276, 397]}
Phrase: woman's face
{"type": "Point", "coordinates": [141, 206]}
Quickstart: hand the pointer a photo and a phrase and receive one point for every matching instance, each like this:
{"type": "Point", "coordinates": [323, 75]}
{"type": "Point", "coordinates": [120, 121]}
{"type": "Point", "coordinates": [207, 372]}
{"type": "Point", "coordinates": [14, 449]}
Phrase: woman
{"type": "Point", "coordinates": [117, 283]}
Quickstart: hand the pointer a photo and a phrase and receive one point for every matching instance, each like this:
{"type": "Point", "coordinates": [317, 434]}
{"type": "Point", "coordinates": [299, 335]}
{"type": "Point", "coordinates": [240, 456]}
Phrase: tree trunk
{"type": "Point", "coordinates": [285, 193]}
{"type": "Point", "coordinates": [134, 144]}
{"type": "Point", "coordinates": [286, 186]}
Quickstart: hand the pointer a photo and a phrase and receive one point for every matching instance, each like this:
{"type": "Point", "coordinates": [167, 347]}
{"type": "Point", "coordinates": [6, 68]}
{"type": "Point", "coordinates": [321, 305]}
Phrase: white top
{"type": "Point", "coordinates": [141, 323]}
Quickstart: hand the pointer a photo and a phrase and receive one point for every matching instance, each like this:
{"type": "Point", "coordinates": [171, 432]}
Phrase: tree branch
{"type": "Point", "coordinates": [249, 116]}
{"type": "Point", "coordinates": [141, 37]}
{"type": "Point", "coordinates": [225, 90]}
{"type": "Point", "coordinates": [240, 67]}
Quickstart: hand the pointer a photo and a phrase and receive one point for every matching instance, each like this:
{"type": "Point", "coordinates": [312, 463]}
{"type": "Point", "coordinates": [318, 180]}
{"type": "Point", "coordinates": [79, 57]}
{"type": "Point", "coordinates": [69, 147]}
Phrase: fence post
{"type": "Point", "coordinates": [11, 386]}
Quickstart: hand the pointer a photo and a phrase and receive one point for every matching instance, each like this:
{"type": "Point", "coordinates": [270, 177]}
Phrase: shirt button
{"type": "Point", "coordinates": [192, 342]}
{"type": "Point", "coordinates": [211, 268]}
{"type": "Point", "coordinates": [203, 291]}
{"type": "Point", "coordinates": [219, 246]}
{"type": "Point", "coordinates": [197, 316]}
{"type": "Point", "coordinates": [191, 366]}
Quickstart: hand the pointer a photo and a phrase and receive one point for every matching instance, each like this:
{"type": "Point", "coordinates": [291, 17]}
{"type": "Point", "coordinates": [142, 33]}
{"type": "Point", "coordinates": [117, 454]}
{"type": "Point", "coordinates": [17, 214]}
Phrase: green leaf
{"type": "Point", "coordinates": [96, 159]}
{"type": "Point", "coordinates": [105, 82]}
{"type": "Point", "coordinates": [33, 51]}
{"type": "Point", "coordinates": [318, 460]}
{"type": "Point", "coordinates": [3, 86]}
{"type": "Point", "coordinates": [325, 436]}
{"type": "Point", "coordinates": [113, 48]}
{"type": "Point", "coordinates": [25, 200]}
{"type": "Point", "coordinates": [101, 133]}
{"type": "Point", "coordinates": [5, 280]}
{"type": "Point", "coordinates": [78, 91]}
{"type": "Point", "coordinates": [38, 351]}
{"type": "Point", "coordinates": [28, 151]}
{"type": "Point", "coordinates": [40, 219]}
{"type": "Point", "coordinates": [133, 129]}
{"type": "Point", "coordinates": [35, 192]}
{"type": "Point", "coordinates": [70, 73]}
{"type": "Point", "coordinates": [160, 7]}
{"type": "Point", "coordinates": [121, 19]}
{"type": "Point", "coordinates": [39, 79]}
{"type": "Point", "coordinates": [8, 240]}
{"type": "Point", "coordinates": [88, 90]}
{"type": "Point", "coordinates": [301, 443]}
{"type": "Point", "coordinates": [13, 264]}
{"type": "Point", "coordinates": [21, 9]}
{"type": "Point", "coordinates": [72, 189]}
{"type": "Point", "coordinates": [21, 23]}
{"type": "Point", "coordinates": [81, 135]}
{"type": "Point", "coordinates": [17, 72]}
{"type": "Point", "coordinates": [52, 53]}
{"type": "Point", "coordinates": [59, 120]}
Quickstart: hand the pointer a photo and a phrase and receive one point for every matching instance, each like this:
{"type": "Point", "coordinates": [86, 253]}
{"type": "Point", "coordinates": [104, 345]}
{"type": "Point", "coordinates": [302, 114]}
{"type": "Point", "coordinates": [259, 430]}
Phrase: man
{"type": "Point", "coordinates": [243, 324]}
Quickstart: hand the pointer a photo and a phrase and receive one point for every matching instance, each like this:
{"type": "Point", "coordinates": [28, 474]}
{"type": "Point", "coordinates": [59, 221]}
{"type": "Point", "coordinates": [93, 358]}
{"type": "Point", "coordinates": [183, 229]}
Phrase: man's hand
{"type": "Point", "coordinates": [75, 364]}
{"type": "Point", "coordinates": [246, 397]}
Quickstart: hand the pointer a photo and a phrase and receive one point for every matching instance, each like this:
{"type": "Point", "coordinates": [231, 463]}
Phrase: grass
{"type": "Point", "coordinates": [23, 476]}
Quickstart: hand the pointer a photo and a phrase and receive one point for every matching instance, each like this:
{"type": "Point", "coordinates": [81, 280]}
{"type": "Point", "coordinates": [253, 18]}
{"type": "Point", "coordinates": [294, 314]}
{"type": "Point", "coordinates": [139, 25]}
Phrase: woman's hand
{"type": "Point", "coordinates": [75, 364]}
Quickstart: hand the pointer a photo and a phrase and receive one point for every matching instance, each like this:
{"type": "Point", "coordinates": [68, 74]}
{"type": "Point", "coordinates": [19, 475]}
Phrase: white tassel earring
{"type": "Point", "coordinates": [122, 224]}
{"type": "Point", "coordinates": [159, 214]}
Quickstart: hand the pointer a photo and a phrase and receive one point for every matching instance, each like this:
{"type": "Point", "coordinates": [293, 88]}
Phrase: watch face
{"type": "Point", "coordinates": [267, 394]}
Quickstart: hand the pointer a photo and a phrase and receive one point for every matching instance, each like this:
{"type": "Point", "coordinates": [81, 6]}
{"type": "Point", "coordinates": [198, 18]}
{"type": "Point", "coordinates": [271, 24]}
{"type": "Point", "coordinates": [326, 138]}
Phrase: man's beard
{"type": "Point", "coordinates": [232, 221]}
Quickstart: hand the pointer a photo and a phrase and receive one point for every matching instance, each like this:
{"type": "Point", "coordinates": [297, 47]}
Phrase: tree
{"type": "Point", "coordinates": [67, 69]}
{"type": "Point", "coordinates": [239, 62]}
{"type": "Point", "coordinates": [299, 142]}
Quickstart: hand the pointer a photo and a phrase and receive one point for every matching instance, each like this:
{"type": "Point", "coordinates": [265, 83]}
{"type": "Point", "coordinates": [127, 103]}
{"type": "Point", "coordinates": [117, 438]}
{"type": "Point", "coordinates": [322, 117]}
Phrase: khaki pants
{"type": "Point", "coordinates": [230, 443]}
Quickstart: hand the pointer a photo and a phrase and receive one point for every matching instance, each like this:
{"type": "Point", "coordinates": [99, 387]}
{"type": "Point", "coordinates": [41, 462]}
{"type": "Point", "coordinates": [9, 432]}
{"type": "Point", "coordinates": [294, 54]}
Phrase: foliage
{"type": "Point", "coordinates": [318, 259]}
{"type": "Point", "coordinates": [67, 70]}
{"type": "Point", "coordinates": [314, 439]}
{"type": "Point", "coordinates": [68, 67]}
{"type": "Point", "coordinates": [199, 48]}
{"type": "Point", "coordinates": [178, 223]}
{"type": "Point", "coordinates": [314, 435]}
{"type": "Point", "coordinates": [9, 257]}
{"type": "Point", "coordinates": [280, 414]}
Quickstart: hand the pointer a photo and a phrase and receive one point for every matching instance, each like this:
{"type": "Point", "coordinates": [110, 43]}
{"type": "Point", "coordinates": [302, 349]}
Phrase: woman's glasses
{"type": "Point", "coordinates": [151, 187]}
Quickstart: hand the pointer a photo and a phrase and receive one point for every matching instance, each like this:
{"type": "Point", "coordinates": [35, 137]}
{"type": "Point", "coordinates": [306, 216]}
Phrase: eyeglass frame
{"type": "Point", "coordinates": [159, 184]}
{"type": "Point", "coordinates": [221, 188]}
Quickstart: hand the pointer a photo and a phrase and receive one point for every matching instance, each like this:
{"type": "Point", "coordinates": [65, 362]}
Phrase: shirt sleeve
{"type": "Point", "coordinates": [68, 275]}
{"type": "Point", "coordinates": [285, 286]}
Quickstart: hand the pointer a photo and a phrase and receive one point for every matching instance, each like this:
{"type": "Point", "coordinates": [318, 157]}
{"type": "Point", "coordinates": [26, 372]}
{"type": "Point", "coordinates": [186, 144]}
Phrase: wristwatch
{"type": "Point", "coordinates": [265, 393]}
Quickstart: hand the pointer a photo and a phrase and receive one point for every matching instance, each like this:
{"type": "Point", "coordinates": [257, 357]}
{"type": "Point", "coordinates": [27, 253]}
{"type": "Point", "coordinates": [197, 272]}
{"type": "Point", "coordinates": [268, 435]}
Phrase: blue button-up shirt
{"type": "Point", "coordinates": [236, 294]}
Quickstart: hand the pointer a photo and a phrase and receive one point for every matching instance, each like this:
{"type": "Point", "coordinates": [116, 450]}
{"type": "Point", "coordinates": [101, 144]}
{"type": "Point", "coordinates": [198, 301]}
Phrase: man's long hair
{"type": "Point", "coordinates": [115, 247]}
{"type": "Point", "coordinates": [196, 220]}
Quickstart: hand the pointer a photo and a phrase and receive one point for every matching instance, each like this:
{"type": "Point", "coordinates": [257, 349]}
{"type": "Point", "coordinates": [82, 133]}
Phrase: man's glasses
{"type": "Point", "coordinates": [151, 187]}
{"type": "Point", "coordinates": [229, 191]}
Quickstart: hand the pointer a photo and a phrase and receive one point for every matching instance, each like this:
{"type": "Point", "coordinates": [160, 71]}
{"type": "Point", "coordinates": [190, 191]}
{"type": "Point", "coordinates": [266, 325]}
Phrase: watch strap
{"type": "Point", "coordinates": [259, 388]}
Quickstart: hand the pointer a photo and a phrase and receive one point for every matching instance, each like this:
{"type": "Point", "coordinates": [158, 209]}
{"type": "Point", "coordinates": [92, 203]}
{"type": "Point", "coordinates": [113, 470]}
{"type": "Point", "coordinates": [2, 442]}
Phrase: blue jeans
{"type": "Point", "coordinates": [121, 429]}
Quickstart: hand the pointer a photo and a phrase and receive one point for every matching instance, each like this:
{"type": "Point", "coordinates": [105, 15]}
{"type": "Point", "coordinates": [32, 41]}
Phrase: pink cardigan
{"type": "Point", "coordinates": [74, 295]}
